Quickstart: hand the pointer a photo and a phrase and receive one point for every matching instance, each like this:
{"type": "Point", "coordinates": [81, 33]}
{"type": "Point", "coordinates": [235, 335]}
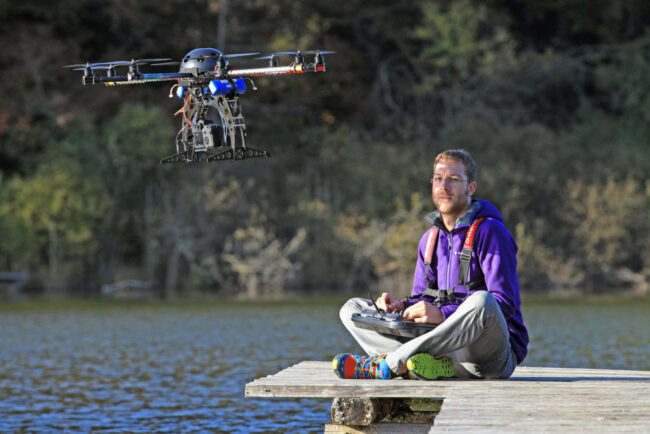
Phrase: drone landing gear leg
{"type": "Point", "coordinates": [237, 154]}
{"type": "Point", "coordinates": [188, 156]}
{"type": "Point", "coordinates": [181, 157]}
{"type": "Point", "coordinates": [221, 155]}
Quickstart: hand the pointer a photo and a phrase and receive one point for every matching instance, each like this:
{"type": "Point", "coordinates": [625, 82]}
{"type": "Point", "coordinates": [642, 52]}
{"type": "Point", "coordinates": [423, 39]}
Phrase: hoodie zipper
{"type": "Point", "coordinates": [449, 255]}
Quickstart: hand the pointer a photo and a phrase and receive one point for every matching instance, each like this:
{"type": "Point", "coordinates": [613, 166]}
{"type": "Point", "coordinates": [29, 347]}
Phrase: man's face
{"type": "Point", "coordinates": [450, 190]}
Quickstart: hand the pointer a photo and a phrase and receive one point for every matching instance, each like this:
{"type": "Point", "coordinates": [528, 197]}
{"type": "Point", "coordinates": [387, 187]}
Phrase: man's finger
{"type": "Point", "coordinates": [382, 301]}
{"type": "Point", "coordinates": [410, 313]}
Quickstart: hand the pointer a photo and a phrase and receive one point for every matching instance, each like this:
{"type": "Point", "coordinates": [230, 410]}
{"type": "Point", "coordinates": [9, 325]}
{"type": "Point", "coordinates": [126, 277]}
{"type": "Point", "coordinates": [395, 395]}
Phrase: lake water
{"type": "Point", "coordinates": [166, 367]}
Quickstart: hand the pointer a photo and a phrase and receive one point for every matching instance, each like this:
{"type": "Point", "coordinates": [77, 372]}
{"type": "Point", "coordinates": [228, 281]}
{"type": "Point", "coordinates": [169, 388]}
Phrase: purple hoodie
{"type": "Point", "coordinates": [497, 255]}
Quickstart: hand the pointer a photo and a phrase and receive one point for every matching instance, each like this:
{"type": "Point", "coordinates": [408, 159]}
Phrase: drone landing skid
{"type": "Point", "coordinates": [220, 155]}
{"type": "Point", "coordinates": [237, 154]}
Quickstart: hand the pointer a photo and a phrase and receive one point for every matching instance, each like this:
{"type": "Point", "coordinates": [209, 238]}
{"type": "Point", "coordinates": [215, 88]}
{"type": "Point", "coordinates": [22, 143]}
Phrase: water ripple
{"type": "Point", "coordinates": [184, 368]}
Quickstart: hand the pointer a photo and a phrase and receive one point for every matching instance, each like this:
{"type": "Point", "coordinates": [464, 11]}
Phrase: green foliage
{"type": "Point", "coordinates": [543, 24]}
{"type": "Point", "coordinates": [50, 216]}
{"type": "Point", "coordinates": [612, 222]}
{"type": "Point", "coordinates": [459, 40]}
{"type": "Point", "coordinates": [550, 97]}
{"type": "Point", "coordinates": [133, 140]}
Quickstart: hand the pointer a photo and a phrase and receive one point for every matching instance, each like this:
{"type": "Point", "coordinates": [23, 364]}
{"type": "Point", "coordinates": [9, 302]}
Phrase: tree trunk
{"type": "Point", "coordinates": [221, 26]}
{"type": "Point", "coordinates": [360, 411]}
{"type": "Point", "coordinates": [52, 254]}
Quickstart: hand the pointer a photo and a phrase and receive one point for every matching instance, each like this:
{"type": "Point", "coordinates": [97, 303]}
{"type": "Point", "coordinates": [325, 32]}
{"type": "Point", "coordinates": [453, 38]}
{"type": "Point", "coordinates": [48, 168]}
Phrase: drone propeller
{"type": "Point", "coordinates": [241, 54]}
{"type": "Point", "coordinates": [293, 53]}
{"type": "Point", "coordinates": [138, 61]}
{"type": "Point", "coordinates": [318, 59]}
{"type": "Point", "coordinates": [272, 60]}
{"type": "Point", "coordinates": [133, 64]}
{"type": "Point", "coordinates": [165, 63]}
{"type": "Point", "coordinates": [318, 55]}
{"type": "Point", "coordinates": [282, 53]}
{"type": "Point", "coordinates": [218, 56]}
{"type": "Point", "coordinates": [100, 65]}
{"type": "Point", "coordinates": [92, 67]}
{"type": "Point", "coordinates": [318, 52]}
{"type": "Point", "coordinates": [270, 56]}
{"type": "Point", "coordinates": [161, 59]}
{"type": "Point", "coordinates": [80, 65]}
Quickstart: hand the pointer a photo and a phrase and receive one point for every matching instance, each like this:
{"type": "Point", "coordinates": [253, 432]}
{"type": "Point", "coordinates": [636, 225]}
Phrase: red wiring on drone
{"type": "Point", "coordinates": [189, 107]}
{"type": "Point", "coordinates": [185, 109]}
{"type": "Point", "coordinates": [182, 108]}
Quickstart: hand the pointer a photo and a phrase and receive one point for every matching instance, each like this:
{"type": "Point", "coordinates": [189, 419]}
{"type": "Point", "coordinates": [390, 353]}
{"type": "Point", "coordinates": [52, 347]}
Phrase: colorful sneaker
{"type": "Point", "coordinates": [423, 366]}
{"type": "Point", "coordinates": [363, 359]}
{"type": "Point", "coordinates": [348, 365]}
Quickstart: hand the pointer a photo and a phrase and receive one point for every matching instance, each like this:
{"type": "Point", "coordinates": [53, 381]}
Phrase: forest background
{"type": "Point", "coordinates": [551, 98]}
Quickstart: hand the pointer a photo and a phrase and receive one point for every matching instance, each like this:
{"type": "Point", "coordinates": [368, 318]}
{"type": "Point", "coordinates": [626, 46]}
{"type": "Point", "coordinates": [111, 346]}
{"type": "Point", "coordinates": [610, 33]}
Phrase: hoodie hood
{"type": "Point", "coordinates": [478, 208]}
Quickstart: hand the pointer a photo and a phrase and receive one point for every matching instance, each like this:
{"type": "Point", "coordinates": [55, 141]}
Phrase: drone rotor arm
{"type": "Point", "coordinates": [275, 70]}
{"type": "Point", "coordinates": [165, 63]}
{"type": "Point", "coordinates": [240, 55]}
{"type": "Point", "coordinates": [154, 60]}
{"type": "Point", "coordinates": [142, 78]}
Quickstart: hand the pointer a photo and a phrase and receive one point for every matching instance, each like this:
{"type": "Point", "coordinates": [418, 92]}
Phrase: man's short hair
{"type": "Point", "coordinates": [464, 157]}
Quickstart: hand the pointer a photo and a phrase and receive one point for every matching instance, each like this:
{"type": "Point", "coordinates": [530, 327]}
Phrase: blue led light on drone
{"type": "Point", "coordinates": [180, 91]}
{"type": "Point", "coordinates": [220, 87]}
{"type": "Point", "coordinates": [241, 86]}
{"type": "Point", "coordinates": [224, 87]}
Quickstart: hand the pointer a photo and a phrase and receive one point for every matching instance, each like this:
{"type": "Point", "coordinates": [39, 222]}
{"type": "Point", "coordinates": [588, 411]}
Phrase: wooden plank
{"type": "Point", "coordinates": [534, 399]}
{"type": "Point", "coordinates": [556, 407]}
{"type": "Point", "coordinates": [316, 379]}
{"type": "Point", "coordinates": [576, 374]}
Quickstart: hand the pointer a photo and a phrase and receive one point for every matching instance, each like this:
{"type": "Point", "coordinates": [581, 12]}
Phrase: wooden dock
{"type": "Point", "coordinates": [534, 399]}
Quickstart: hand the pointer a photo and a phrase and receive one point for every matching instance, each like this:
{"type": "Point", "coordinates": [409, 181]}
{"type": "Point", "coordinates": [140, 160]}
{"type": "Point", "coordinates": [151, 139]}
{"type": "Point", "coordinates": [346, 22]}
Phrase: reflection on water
{"type": "Point", "coordinates": [183, 368]}
{"type": "Point", "coordinates": [589, 335]}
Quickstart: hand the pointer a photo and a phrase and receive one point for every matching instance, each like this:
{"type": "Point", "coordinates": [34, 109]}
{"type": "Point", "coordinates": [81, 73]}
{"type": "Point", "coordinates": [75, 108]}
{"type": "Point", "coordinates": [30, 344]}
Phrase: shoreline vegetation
{"type": "Point", "coordinates": [208, 301]}
{"type": "Point", "coordinates": [551, 99]}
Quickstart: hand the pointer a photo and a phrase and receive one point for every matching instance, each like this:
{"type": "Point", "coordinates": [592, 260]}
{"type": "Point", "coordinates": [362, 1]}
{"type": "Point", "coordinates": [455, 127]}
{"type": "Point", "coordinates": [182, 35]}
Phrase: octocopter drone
{"type": "Point", "coordinates": [213, 127]}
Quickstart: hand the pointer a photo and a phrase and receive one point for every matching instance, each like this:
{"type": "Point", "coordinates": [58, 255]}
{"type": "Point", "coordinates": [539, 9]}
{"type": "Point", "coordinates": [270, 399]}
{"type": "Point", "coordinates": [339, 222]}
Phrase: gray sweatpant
{"type": "Point", "coordinates": [476, 337]}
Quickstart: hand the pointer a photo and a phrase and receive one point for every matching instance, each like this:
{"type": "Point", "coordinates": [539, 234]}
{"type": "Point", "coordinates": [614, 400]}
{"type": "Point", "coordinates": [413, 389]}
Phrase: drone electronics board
{"type": "Point", "coordinates": [212, 125]}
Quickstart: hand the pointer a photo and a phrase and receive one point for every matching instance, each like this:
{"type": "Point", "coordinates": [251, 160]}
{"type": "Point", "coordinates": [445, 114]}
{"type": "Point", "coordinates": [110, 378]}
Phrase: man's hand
{"type": "Point", "coordinates": [424, 312]}
{"type": "Point", "coordinates": [389, 303]}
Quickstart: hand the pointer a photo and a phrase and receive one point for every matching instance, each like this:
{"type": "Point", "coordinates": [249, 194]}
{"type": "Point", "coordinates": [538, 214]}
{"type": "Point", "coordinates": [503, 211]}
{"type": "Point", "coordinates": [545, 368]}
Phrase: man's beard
{"type": "Point", "coordinates": [457, 203]}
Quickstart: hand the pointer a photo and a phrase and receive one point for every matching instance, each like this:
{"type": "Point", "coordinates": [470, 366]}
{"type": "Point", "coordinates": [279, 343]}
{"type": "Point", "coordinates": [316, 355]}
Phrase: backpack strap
{"type": "Point", "coordinates": [432, 242]}
{"type": "Point", "coordinates": [431, 288]}
{"type": "Point", "coordinates": [468, 248]}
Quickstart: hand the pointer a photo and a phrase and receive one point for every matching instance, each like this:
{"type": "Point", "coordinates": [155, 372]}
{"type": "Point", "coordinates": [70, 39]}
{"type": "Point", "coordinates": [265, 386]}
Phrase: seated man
{"type": "Point", "coordinates": [467, 284]}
